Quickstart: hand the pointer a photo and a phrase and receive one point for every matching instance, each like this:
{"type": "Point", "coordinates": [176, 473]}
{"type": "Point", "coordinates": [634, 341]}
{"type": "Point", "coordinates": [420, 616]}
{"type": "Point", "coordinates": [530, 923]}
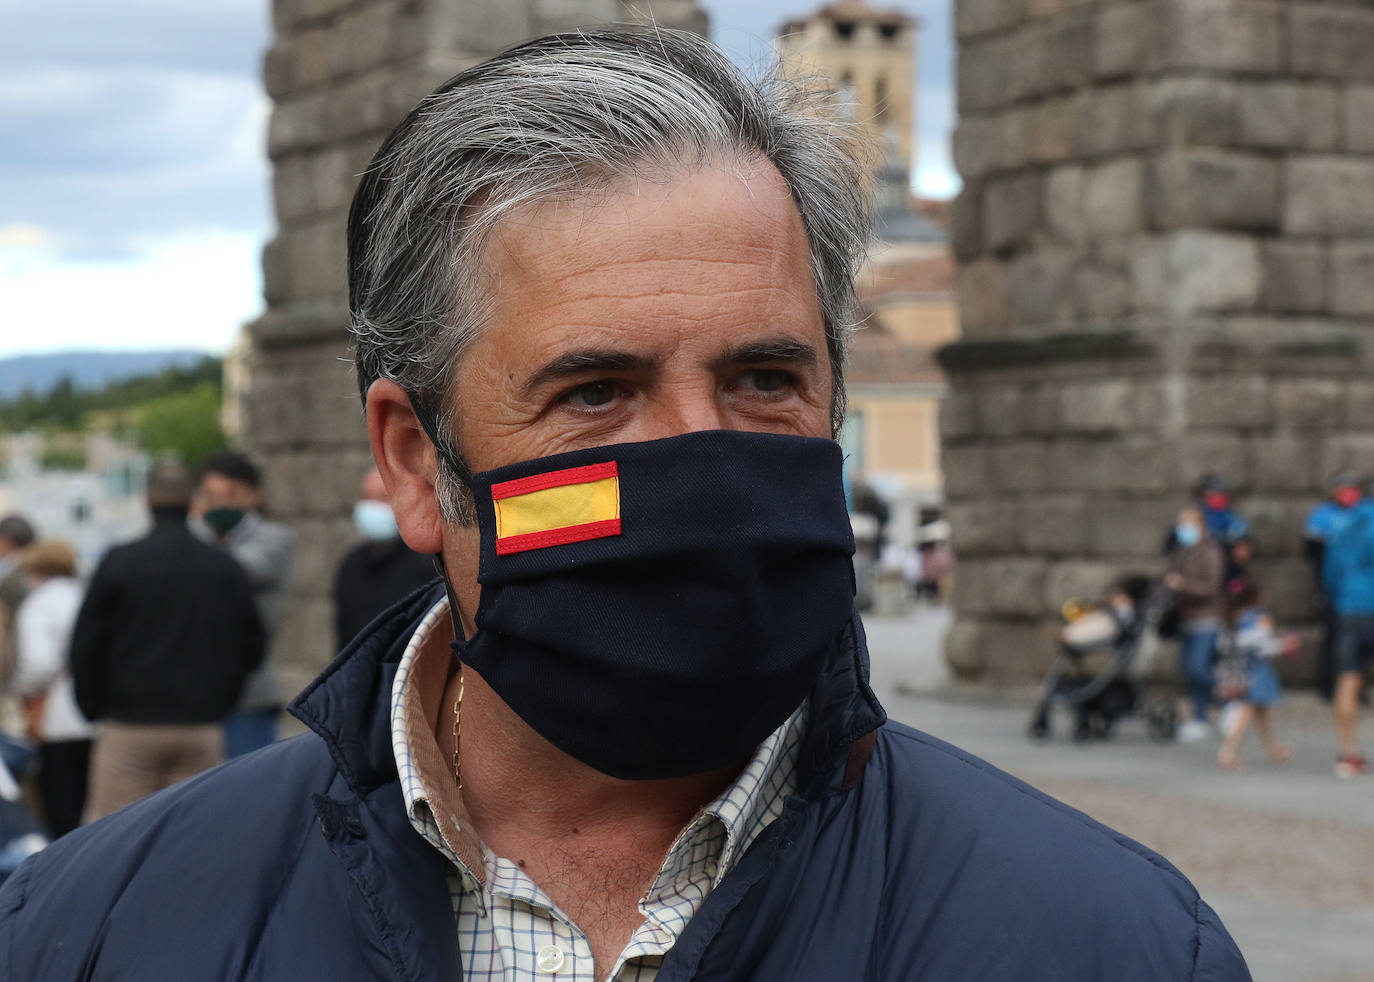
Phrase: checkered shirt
{"type": "Point", "coordinates": [508, 928]}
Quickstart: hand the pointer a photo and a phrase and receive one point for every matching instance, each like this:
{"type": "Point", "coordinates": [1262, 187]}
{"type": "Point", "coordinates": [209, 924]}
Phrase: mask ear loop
{"type": "Point", "coordinates": [455, 464]}
{"type": "Point", "coordinates": [454, 611]}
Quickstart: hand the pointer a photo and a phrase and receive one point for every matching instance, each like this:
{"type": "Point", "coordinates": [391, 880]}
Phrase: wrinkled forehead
{"type": "Point", "coordinates": [697, 248]}
{"type": "Point", "coordinates": [742, 200]}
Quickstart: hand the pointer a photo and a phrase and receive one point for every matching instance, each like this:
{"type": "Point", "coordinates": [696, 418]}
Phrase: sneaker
{"type": "Point", "coordinates": [1193, 731]}
{"type": "Point", "coordinates": [1354, 766]}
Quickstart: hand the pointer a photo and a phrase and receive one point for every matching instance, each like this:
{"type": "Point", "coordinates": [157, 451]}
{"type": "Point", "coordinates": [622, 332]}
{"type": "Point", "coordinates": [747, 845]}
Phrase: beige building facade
{"type": "Point", "coordinates": [867, 55]}
{"type": "Point", "coordinates": [895, 385]}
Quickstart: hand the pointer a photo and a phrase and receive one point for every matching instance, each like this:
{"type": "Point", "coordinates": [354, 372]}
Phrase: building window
{"type": "Point", "coordinates": [889, 32]}
{"type": "Point", "coordinates": [844, 29]}
{"type": "Point", "coordinates": [880, 99]}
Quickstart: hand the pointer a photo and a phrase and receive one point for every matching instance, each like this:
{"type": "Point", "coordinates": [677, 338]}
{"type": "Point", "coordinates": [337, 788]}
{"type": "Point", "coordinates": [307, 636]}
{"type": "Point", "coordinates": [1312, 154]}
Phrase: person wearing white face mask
{"type": "Point", "coordinates": [379, 570]}
{"type": "Point", "coordinates": [1196, 575]}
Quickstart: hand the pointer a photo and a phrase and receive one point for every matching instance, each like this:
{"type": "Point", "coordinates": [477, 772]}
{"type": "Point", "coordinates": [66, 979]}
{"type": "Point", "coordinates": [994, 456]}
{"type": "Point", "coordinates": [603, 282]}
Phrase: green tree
{"type": "Point", "coordinates": [185, 423]}
{"type": "Point", "coordinates": [66, 407]}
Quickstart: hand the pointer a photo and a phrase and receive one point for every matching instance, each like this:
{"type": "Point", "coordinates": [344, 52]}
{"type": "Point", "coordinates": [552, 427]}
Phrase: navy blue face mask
{"type": "Point", "coordinates": [657, 609]}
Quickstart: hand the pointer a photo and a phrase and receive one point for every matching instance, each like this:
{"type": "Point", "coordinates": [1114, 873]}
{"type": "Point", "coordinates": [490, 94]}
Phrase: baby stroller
{"type": "Point", "coordinates": [1105, 652]}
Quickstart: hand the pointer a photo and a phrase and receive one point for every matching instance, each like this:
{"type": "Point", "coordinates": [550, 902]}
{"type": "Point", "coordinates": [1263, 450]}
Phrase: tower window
{"type": "Point", "coordinates": [889, 32]}
{"type": "Point", "coordinates": [845, 29]}
{"type": "Point", "coordinates": [880, 106]}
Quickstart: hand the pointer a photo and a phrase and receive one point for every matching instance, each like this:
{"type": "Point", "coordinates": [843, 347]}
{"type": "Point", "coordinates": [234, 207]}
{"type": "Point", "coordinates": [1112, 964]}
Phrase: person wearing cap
{"type": "Point", "coordinates": [1323, 521]}
{"type": "Point", "coordinates": [599, 289]}
{"type": "Point", "coordinates": [1223, 522]}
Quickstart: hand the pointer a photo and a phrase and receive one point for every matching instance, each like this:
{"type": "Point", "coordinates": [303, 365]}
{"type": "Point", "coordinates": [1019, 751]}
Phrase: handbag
{"type": "Point", "coordinates": [1170, 625]}
{"type": "Point", "coordinates": [1230, 679]}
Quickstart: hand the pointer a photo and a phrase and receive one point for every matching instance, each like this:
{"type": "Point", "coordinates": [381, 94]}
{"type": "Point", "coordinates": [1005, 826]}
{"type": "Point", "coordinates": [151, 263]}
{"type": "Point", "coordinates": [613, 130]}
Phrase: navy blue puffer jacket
{"type": "Point", "coordinates": [900, 859]}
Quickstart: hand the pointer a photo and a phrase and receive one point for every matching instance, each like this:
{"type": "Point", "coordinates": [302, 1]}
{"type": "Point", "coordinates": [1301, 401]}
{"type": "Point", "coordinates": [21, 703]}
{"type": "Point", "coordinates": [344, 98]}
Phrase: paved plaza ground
{"type": "Point", "coordinates": [1285, 855]}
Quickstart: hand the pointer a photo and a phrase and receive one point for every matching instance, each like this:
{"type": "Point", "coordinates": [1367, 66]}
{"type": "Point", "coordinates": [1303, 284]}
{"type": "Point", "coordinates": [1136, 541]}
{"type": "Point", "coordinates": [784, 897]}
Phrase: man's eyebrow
{"type": "Point", "coordinates": [770, 350]}
{"type": "Point", "coordinates": [583, 361]}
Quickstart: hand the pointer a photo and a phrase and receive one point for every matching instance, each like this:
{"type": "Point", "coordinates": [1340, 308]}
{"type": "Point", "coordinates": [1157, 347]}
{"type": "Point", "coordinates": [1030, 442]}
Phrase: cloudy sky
{"type": "Point", "coordinates": [133, 185]}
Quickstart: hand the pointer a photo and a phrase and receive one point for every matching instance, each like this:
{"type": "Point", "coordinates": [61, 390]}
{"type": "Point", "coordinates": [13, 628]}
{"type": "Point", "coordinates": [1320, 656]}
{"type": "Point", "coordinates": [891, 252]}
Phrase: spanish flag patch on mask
{"type": "Point", "coordinates": [570, 505]}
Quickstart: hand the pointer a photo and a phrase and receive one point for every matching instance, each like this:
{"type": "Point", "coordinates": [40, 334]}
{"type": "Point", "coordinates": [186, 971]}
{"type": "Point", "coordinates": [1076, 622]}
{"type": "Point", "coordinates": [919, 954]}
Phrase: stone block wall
{"type": "Point", "coordinates": [1166, 239]}
{"type": "Point", "coordinates": [341, 73]}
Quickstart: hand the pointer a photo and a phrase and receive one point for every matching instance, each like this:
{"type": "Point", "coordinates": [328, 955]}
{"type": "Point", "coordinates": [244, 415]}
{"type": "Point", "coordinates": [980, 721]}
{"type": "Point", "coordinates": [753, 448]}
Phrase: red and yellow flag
{"type": "Point", "coordinates": [552, 509]}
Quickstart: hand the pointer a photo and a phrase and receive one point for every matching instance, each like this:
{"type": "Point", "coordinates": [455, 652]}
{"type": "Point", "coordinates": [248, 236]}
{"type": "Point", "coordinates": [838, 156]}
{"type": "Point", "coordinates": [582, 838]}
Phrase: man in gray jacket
{"type": "Point", "coordinates": [229, 503]}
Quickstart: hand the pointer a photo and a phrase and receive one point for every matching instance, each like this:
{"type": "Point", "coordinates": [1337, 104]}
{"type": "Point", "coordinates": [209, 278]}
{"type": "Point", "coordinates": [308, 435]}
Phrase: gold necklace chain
{"type": "Point", "coordinates": [457, 733]}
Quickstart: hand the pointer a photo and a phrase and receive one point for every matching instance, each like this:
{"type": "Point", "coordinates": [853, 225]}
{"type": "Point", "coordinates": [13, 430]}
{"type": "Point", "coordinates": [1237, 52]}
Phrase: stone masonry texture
{"type": "Point", "coordinates": [1166, 248]}
{"type": "Point", "coordinates": [341, 73]}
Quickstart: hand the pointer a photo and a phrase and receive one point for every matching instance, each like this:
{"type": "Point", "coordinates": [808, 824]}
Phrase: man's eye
{"type": "Point", "coordinates": [767, 379]}
{"type": "Point", "coordinates": [592, 394]}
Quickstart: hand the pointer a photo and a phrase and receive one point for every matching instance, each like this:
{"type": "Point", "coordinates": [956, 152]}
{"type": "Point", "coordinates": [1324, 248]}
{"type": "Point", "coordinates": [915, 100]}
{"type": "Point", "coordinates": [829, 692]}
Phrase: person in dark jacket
{"type": "Point", "coordinates": [631, 736]}
{"type": "Point", "coordinates": [165, 638]}
{"type": "Point", "coordinates": [378, 571]}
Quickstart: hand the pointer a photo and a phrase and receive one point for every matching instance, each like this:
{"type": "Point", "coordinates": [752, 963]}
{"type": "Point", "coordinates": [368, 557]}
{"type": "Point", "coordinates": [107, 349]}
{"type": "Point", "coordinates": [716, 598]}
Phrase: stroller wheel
{"type": "Point", "coordinates": [1039, 728]}
{"type": "Point", "coordinates": [1162, 719]}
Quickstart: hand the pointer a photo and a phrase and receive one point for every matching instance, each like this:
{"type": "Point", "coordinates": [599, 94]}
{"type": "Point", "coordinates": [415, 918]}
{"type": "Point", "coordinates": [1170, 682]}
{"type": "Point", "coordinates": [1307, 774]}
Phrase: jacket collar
{"type": "Point", "coordinates": [349, 705]}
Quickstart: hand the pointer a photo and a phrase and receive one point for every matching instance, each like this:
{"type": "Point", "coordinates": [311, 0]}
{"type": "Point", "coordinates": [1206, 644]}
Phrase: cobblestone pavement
{"type": "Point", "coordinates": [1284, 854]}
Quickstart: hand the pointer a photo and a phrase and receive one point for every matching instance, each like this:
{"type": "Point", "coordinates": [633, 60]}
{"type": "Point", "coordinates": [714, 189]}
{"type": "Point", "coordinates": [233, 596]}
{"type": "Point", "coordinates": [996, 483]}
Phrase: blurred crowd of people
{"type": "Point", "coordinates": [1228, 640]}
{"type": "Point", "coordinates": [923, 567]}
{"type": "Point", "coordinates": [155, 667]}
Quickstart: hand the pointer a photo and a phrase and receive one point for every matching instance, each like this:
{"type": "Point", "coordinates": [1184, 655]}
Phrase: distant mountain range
{"type": "Point", "coordinates": [87, 369]}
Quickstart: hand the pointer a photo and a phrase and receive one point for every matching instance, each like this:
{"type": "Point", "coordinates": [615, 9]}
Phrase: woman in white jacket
{"type": "Point", "coordinates": [43, 630]}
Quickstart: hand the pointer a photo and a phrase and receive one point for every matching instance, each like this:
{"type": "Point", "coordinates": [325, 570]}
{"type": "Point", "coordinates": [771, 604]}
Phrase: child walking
{"type": "Point", "coordinates": [1255, 645]}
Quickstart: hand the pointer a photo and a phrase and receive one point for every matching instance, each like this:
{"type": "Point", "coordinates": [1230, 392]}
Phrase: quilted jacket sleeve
{"type": "Point", "coordinates": [1218, 959]}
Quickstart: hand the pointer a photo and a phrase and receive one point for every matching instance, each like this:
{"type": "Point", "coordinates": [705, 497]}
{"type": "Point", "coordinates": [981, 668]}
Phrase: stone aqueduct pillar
{"type": "Point", "coordinates": [1166, 240]}
{"type": "Point", "coordinates": [341, 73]}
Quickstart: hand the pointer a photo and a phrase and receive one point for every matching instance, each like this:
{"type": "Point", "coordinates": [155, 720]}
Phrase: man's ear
{"type": "Point", "coordinates": [406, 459]}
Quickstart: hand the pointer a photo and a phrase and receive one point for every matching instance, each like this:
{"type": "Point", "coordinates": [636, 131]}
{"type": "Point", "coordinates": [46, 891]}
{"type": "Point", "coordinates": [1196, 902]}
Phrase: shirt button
{"type": "Point", "coordinates": [550, 959]}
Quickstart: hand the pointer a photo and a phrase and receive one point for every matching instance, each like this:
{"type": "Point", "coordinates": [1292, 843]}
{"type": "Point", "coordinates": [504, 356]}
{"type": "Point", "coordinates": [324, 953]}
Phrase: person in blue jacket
{"type": "Point", "coordinates": [599, 287]}
{"type": "Point", "coordinates": [1348, 578]}
{"type": "Point", "coordinates": [1325, 521]}
{"type": "Point", "coordinates": [1223, 524]}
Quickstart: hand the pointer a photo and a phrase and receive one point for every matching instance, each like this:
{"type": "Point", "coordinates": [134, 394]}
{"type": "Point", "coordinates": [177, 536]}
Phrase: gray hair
{"type": "Point", "coordinates": [569, 114]}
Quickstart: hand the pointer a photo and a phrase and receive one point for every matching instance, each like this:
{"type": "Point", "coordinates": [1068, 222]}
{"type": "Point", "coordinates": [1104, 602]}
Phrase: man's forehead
{"type": "Point", "coordinates": [680, 214]}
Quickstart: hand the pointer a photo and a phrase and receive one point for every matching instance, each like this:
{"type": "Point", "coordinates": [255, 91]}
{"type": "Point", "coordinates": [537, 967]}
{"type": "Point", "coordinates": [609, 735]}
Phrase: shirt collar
{"type": "Point", "coordinates": [420, 693]}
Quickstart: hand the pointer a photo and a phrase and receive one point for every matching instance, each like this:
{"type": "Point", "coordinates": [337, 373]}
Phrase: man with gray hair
{"type": "Point", "coordinates": [600, 286]}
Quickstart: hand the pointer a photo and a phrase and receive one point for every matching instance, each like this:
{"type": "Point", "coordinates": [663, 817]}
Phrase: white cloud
{"type": "Point", "coordinates": [20, 236]}
{"type": "Point", "coordinates": [191, 291]}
